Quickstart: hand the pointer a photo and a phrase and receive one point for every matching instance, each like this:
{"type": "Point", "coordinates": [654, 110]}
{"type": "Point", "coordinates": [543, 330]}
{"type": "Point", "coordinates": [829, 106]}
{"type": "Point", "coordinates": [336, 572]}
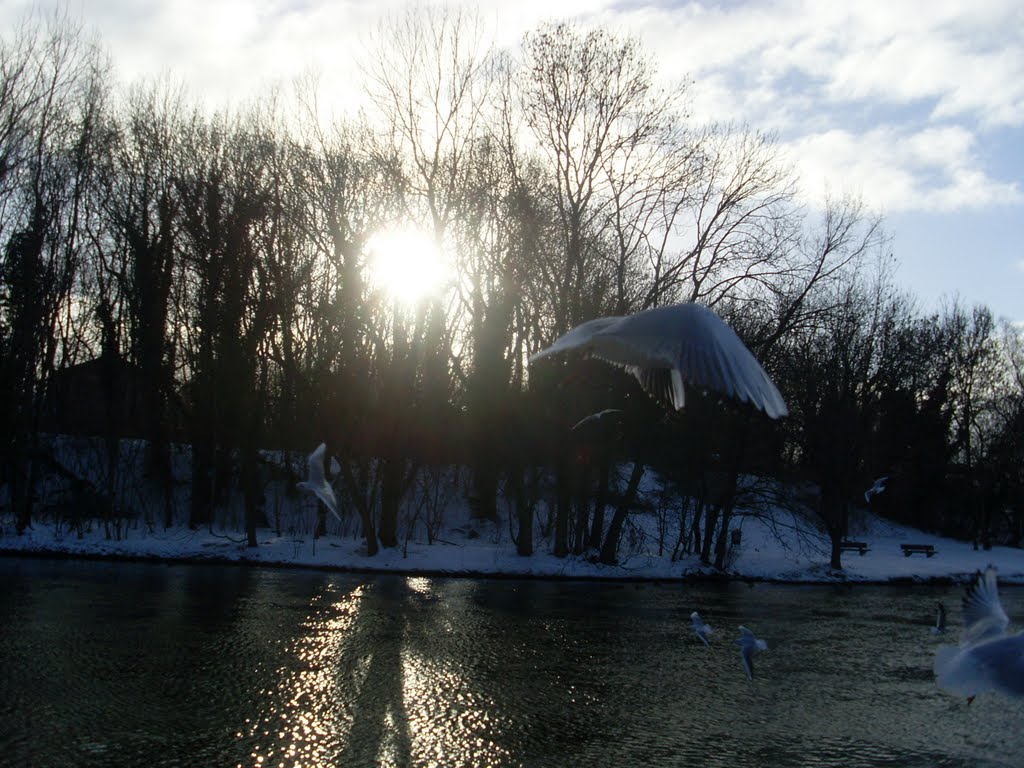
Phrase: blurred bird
{"type": "Point", "coordinates": [875, 489]}
{"type": "Point", "coordinates": [750, 645]}
{"type": "Point", "coordinates": [595, 418]}
{"type": "Point", "coordinates": [940, 621]}
{"type": "Point", "coordinates": [316, 482]}
{"type": "Point", "coordinates": [988, 658]}
{"type": "Point", "coordinates": [667, 346]}
{"type": "Point", "coordinates": [702, 630]}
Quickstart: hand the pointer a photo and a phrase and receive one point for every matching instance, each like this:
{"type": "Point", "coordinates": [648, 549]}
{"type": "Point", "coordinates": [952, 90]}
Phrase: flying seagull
{"type": "Point", "coordinates": [594, 418]}
{"type": "Point", "coordinates": [875, 489]}
{"type": "Point", "coordinates": [702, 630]}
{"type": "Point", "coordinates": [940, 621]}
{"type": "Point", "coordinates": [750, 645]}
{"type": "Point", "coordinates": [988, 658]}
{"type": "Point", "coordinates": [317, 483]}
{"type": "Point", "coordinates": [667, 346]}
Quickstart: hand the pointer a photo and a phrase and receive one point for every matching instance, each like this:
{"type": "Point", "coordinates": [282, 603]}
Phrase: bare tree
{"type": "Point", "coordinates": [136, 246]}
{"type": "Point", "coordinates": [972, 360]}
{"type": "Point", "coordinates": [57, 86]}
{"type": "Point", "coordinates": [429, 80]}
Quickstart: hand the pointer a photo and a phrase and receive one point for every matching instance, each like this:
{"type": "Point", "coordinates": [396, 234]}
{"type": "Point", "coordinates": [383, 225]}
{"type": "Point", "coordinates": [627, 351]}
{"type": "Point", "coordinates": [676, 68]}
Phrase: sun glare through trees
{"type": "Point", "coordinates": [407, 265]}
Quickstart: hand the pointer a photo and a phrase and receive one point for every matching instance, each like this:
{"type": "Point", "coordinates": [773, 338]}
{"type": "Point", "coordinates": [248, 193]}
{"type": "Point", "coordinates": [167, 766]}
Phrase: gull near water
{"type": "Point", "coordinates": [988, 658]}
{"type": "Point", "coordinates": [750, 645]}
{"type": "Point", "coordinates": [702, 630]}
{"type": "Point", "coordinates": [316, 482]}
{"type": "Point", "coordinates": [940, 621]}
{"type": "Point", "coordinates": [667, 347]}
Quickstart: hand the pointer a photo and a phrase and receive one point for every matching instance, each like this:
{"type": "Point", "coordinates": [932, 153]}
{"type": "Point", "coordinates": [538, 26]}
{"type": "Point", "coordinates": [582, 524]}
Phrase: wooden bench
{"type": "Point", "coordinates": [924, 549]}
{"type": "Point", "coordinates": [848, 546]}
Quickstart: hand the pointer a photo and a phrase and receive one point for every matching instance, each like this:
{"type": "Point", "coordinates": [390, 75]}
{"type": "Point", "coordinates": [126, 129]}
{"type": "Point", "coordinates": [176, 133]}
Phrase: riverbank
{"type": "Point", "coordinates": [779, 550]}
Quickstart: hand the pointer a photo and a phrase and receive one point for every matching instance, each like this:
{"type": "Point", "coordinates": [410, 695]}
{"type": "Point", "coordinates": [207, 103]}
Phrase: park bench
{"type": "Point", "coordinates": [924, 549]}
{"type": "Point", "coordinates": [849, 546]}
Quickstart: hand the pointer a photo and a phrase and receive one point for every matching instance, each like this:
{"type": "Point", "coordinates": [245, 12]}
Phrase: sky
{"type": "Point", "coordinates": [918, 108]}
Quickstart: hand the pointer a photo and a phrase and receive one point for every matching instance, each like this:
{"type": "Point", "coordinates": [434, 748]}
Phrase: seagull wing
{"type": "Point", "coordinates": [316, 466]}
{"type": "Point", "coordinates": [747, 657]}
{"type": "Point", "coordinates": [666, 347]}
{"type": "Point", "coordinates": [325, 493]}
{"type": "Point", "coordinates": [984, 617]}
{"type": "Point", "coordinates": [749, 645]}
{"type": "Point", "coordinates": [595, 417]}
{"type": "Point", "coordinates": [1002, 663]}
{"type": "Point", "coordinates": [696, 347]}
{"type": "Point", "coordinates": [578, 338]}
{"type": "Point", "coordinates": [317, 481]}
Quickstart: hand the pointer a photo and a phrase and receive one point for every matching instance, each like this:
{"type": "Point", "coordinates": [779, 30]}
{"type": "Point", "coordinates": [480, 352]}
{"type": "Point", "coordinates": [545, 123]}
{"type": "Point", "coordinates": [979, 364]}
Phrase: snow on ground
{"type": "Point", "coordinates": [779, 546]}
{"type": "Point", "coordinates": [787, 554]}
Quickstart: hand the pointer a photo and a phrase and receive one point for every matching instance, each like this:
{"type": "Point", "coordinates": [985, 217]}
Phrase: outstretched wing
{"type": "Point", "coordinates": [594, 418]}
{"type": "Point", "coordinates": [984, 617]}
{"type": "Point", "coordinates": [666, 347]}
{"type": "Point", "coordinates": [747, 657]}
{"type": "Point", "coordinates": [578, 338]}
{"type": "Point", "coordinates": [325, 493]}
{"type": "Point", "coordinates": [316, 466]}
{"type": "Point", "coordinates": [695, 347]}
{"type": "Point", "coordinates": [317, 481]}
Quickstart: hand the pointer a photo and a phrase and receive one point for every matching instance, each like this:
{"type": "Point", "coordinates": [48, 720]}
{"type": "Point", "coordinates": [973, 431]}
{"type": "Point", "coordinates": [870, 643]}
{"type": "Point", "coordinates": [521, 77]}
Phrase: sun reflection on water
{"type": "Point", "coordinates": [450, 724]}
{"type": "Point", "coordinates": [360, 686]}
{"type": "Point", "coordinates": [302, 722]}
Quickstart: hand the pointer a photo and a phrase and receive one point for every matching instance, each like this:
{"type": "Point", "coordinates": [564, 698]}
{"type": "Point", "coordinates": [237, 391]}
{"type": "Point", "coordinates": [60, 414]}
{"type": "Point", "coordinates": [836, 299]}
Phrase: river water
{"type": "Point", "coordinates": [137, 664]}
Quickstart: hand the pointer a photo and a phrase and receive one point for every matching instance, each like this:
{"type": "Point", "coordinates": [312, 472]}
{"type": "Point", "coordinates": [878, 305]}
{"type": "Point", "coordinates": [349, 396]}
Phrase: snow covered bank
{"type": "Point", "coordinates": [772, 544]}
{"type": "Point", "coordinates": [782, 553]}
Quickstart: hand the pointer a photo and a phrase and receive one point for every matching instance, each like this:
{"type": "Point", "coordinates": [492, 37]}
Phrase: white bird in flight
{"type": "Point", "coordinates": [667, 346]}
{"type": "Point", "coordinates": [702, 630]}
{"type": "Point", "coordinates": [750, 645]}
{"type": "Point", "coordinates": [595, 417]}
{"type": "Point", "coordinates": [316, 482]}
{"type": "Point", "coordinates": [940, 621]}
{"type": "Point", "coordinates": [988, 658]}
{"type": "Point", "coordinates": [875, 489]}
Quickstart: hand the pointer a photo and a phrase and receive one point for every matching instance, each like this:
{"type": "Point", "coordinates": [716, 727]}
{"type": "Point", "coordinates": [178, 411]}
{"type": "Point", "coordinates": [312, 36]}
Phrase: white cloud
{"type": "Point", "coordinates": [896, 170]}
{"type": "Point", "coordinates": [964, 57]}
{"type": "Point", "coordinates": [882, 97]}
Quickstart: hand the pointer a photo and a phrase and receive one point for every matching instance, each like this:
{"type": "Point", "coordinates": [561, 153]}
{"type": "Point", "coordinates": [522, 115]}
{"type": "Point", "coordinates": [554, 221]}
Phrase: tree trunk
{"type": "Point", "coordinates": [709, 533]}
{"type": "Point", "coordinates": [835, 560]}
{"type": "Point", "coordinates": [563, 506]}
{"type": "Point", "coordinates": [485, 483]}
{"type": "Point", "coordinates": [600, 502]}
{"type": "Point", "coordinates": [252, 493]}
{"type": "Point", "coordinates": [524, 511]}
{"type": "Point", "coordinates": [610, 548]}
{"type": "Point", "coordinates": [201, 509]}
{"type": "Point", "coordinates": [392, 471]}
{"type": "Point", "coordinates": [580, 532]}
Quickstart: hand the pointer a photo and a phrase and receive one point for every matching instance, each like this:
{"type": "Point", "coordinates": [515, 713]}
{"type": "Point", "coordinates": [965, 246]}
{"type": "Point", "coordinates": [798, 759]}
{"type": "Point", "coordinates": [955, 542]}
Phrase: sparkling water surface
{"type": "Point", "coordinates": [138, 664]}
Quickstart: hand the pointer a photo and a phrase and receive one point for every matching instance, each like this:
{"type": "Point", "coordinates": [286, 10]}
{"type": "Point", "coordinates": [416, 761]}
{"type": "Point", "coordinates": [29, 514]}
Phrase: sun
{"type": "Point", "coordinates": [407, 264]}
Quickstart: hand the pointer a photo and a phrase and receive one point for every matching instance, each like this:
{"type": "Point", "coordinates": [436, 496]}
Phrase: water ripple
{"type": "Point", "coordinates": [135, 664]}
